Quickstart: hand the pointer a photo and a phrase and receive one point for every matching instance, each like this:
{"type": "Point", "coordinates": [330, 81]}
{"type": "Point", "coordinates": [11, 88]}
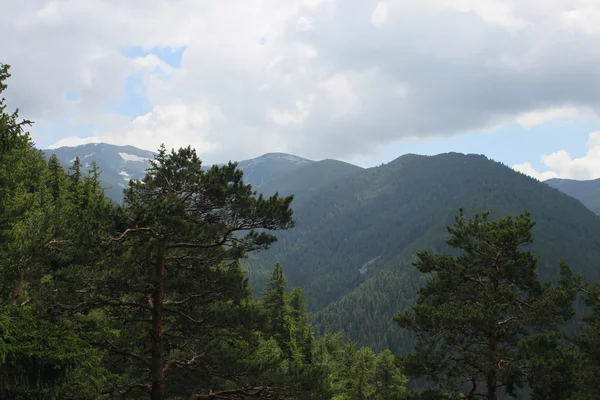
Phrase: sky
{"type": "Point", "coordinates": [357, 80]}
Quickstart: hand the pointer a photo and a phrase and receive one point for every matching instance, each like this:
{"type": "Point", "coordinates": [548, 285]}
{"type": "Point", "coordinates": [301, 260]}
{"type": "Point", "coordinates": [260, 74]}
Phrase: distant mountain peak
{"type": "Point", "coordinates": [281, 156]}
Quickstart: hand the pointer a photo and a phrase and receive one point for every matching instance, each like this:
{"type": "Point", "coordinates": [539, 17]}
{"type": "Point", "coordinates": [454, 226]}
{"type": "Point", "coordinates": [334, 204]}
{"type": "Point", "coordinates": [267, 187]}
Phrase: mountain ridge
{"type": "Point", "coordinates": [119, 164]}
{"type": "Point", "coordinates": [586, 191]}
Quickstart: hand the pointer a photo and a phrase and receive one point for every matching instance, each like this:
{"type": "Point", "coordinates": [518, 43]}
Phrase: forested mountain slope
{"type": "Point", "coordinates": [354, 239]}
{"type": "Point", "coordinates": [588, 192]}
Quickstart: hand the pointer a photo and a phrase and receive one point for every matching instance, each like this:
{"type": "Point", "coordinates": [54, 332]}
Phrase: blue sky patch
{"type": "Point", "coordinates": [72, 96]}
{"type": "Point", "coordinates": [133, 101]}
{"type": "Point", "coordinates": [170, 55]}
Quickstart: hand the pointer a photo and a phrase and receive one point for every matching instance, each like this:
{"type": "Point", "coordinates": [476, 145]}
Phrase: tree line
{"type": "Point", "coordinates": [150, 300]}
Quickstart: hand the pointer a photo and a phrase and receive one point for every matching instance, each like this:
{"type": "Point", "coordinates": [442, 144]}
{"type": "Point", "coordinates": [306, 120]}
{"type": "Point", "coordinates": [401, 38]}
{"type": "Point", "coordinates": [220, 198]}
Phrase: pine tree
{"type": "Point", "coordinates": [175, 305]}
{"type": "Point", "coordinates": [277, 310]}
{"type": "Point", "coordinates": [362, 385]}
{"type": "Point", "coordinates": [477, 307]}
{"type": "Point", "coordinates": [389, 380]}
{"type": "Point", "coordinates": [42, 355]}
{"type": "Point", "coordinates": [301, 333]}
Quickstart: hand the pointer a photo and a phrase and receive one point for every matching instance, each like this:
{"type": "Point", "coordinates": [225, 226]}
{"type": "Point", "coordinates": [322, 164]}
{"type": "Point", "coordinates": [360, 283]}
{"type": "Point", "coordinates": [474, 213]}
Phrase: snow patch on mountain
{"type": "Point", "coordinates": [132, 157]}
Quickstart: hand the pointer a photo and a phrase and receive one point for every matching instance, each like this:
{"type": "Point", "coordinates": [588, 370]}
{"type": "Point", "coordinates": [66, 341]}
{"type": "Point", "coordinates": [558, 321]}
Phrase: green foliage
{"type": "Point", "coordinates": [355, 374]}
{"type": "Point", "coordinates": [42, 355]}
{"type": "Point", "coordinates": [176, 306]}
{"type": "Point", "coordinates": [579, 365]}
{"type": "Point", "coordinates": [477, 317]}
{"type": "Point", "coordinates": [389, 381]}
{"type": "Point", "coordinates": [301, 333]}
{"type": "Point", "coordinates": [12, 133]}
{"type": "Point", "coordinates": [277, 310]}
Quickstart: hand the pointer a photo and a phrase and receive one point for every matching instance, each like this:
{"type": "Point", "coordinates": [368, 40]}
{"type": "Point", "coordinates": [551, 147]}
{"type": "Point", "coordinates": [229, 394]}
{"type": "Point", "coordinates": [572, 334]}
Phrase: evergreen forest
{"type": "Point", "coordinates": [200, 287]}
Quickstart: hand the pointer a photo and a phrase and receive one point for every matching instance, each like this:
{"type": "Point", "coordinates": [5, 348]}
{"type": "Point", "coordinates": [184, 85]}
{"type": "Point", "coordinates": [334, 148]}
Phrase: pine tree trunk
{"type": "Point", "coordinates": [19, 287]}
{"type": "Point", "coordinates": [157, 368]}
{"type": "Point", "coordinates": [492, 378]}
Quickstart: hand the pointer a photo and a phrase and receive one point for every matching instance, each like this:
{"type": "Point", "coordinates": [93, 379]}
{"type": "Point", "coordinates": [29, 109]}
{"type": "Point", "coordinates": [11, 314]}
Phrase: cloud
{"type": "Point", "coordinates": [537, 117]}
{"type": "Point", "coordinates": [562, 164]}
{"type": "Point", "coordinates": [320, 78]}
{"type": "Point", "coordinates": [528, 169]}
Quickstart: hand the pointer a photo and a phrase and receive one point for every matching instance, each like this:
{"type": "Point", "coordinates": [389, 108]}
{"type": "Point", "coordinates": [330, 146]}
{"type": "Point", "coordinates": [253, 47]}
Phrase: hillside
{"type": "Point", "coordinates": [588, 192]}
{"type": "Point", "coordinates": [302, 183]}
{"type": "Point", "coordinates": [351, 249]}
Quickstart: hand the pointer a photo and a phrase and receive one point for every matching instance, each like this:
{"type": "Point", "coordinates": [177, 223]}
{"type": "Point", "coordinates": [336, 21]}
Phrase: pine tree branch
{"type": "Point", "coordinates": [128, 231]}
{"type": "Point", "coordinates": [182, 363]}
{"type": "Point", "coordinates": [186, 316]}
{"type": "Point", "coordinates": [108, 302]}
{"type": "Point", "coordinates": [131, 355]}
{"type": "Point", "coordinates": [233, 394]}
{"type": "Point", "coordinates": [179, 302]}
{"type": "Point", "coordinates": [191, 245]}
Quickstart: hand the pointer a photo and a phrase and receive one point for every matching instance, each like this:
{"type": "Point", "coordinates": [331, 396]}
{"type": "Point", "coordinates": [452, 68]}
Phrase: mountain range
{"type": "Point", "coordinates": [358, 229]}
{"type": "Point", "coordinates": [119, 164]}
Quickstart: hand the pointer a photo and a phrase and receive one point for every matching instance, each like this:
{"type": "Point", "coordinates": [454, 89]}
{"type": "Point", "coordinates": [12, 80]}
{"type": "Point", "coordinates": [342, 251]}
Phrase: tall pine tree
{"type": "Point", "coordinates": [478, 306]}
{"type": "Point", "coordinates": [177, 310]}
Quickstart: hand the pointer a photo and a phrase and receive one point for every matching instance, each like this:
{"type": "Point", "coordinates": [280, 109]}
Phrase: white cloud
{"type": "Point", "coordinates": [537, 117]}
{"type": "Point", "coordinates": [562, 164]}
{"type": "Point", "coordinates": [321, 78]}
{"type": "Point", "coordinates": [380, 14]}
{"type": "Point", "coordinates": [528, 169]}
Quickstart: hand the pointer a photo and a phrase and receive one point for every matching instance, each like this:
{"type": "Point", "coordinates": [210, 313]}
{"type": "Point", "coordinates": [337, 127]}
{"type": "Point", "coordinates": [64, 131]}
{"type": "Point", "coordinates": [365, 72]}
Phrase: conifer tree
{"type": "Point", "coordinates": [301, 333]}
{"type": "Point", "coordinates": [478, 306]}
{"type": "Point", "coordinates": [277, 310]}
{"type": "Point", "coordinates": [389, 380]}
{"type": "Point", "coordinates": [362, 386]}
{"type": "Point", "coordinates": [42, 355]}
{"type": "Point", "coordinates": [178, 318]}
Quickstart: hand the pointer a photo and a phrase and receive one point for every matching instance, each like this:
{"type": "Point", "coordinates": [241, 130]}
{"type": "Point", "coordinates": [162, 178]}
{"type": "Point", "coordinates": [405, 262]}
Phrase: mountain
{"type": "Point", "coordinates": [118, 164]}
{"type": "Point", "coordinates": [356, 236]}
{"type": "Point", "coordinates": [260, 170]}
{"type": "Point", "coordinates": [588, 192]}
